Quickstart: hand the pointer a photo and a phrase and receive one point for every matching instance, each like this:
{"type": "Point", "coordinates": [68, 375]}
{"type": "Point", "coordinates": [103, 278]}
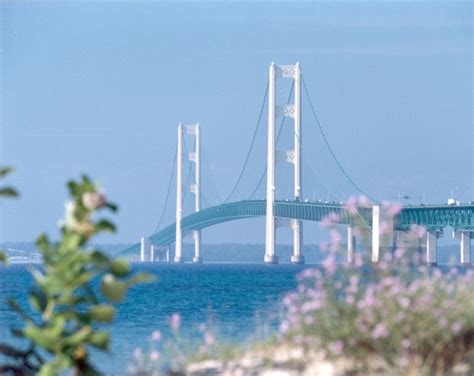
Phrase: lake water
{"type": "Point", "coordinates": [236, 299]}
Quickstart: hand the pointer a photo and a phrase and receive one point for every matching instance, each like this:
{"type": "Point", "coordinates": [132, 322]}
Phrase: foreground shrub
{"type": "Point", "coordinates": [67, 307]}
{"type": "Point", "coordinates": [170, 353]}
{"type": "Point", "coordinates": [392, 314]}
{"type": "Point", "coordinates": [6, 192]}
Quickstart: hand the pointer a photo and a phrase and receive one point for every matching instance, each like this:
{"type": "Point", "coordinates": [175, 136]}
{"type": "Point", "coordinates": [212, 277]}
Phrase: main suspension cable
{"type": "Point", "coordinates": [329, 146]}
{"type": "Point", "coordinates": [252, 143]}
{"type": "Point", "coordinates": [170, 181]}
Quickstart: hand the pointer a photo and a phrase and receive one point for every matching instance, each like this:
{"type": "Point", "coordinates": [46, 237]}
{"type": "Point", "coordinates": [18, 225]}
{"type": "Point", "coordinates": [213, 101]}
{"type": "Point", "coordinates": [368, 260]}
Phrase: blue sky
{"type": "Point", "coordinates": [99, 87]}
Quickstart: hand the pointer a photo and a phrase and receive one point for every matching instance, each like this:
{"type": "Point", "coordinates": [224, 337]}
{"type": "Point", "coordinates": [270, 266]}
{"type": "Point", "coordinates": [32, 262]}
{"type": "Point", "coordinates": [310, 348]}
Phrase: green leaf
{"type": "Point", "coordinates": [38, 300]}
{"type": "Point", "coordinates": [3, 257]}
{"type": "Point", "coordinates": [87, 184]}
{"type": "Point", "coordinates": [97, 257]}
{"type": "Point", "coordinates": [17, 332]}
{"type": "Point", "coordinates": [11, 351]}
{"type": "Point", "coordinates": [16, 307]}
{"type": "Point", "coordinates": [71, 240]}
{"type": "Point", "coordinates": [119, 268]}
{"type": "Point", "coordinates": [43, 243]}
{"type": "Point", "coordinates": [54, 366]}
{"type": "Point", "coordinates": [111, 206]}
{"type": "Point", "coordinates": [78, 337]}
{"type": "Point", "coordinates": [4, 171]}
{"type": "Point", "coordinates": [141, 278]}
{"type": "Point", "coordinates": [47, 337]}
{"type": "Point", "coordinates": [74, 189]}
{"type": "Point", "coordinates": [100, 339]}
{"type": "Point", "coordinates": [113, 289]}
{"type": "Point", "coordinates": [102, 312]}
{"type": "Point", "coordinates": [104, 225]}
{"type": "Point", "coordinates": [8, 192]}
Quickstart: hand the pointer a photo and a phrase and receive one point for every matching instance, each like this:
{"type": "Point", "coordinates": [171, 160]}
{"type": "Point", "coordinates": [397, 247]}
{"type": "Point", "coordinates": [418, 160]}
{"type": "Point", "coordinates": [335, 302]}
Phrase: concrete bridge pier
{"type": "Point", "coordinates": [166, 253]}
{"type": "Point", "coordinates": [178, 250]}
{"type": "Point", "coordinates": [432, 237]}
{"type": "Point", "coordinates": [144, 247]}
{"type": "Point", "coordinates": [161, 253]}
{"type": "Point", "coordinates": [375, 233]}
{"type": "Point", "coordinates": [270, 256]}
{"type": "Point", "coordinates": [383, 230]}
{"type": "Point", "coordinates": [465, 247]}
{"type": "Point", "coordinates": [152, 253]}
{"type": "Point", "coordinates": [297, 257]}
{"type": "Point", "coordinates": [197, 259]}
{"type": "Point", "coordinates": [351, 244]}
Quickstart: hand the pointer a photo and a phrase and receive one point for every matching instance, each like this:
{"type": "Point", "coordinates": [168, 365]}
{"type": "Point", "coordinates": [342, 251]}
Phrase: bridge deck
{"type": "Point", "coordinates": [431, 216]}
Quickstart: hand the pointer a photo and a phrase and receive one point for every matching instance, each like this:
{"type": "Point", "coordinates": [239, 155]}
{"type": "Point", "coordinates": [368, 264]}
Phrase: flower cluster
{"type": "Point", "coordinates": [170, 354]}
{"type": "Point", "coordinates": [401, 314]}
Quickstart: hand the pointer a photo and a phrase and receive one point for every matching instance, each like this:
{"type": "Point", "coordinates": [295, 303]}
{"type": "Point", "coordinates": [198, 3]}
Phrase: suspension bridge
{"type": "Point", "coordinates": [291, 212]}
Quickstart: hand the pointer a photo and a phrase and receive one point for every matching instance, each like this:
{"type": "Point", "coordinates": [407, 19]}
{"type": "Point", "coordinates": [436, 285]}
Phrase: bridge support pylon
{"type": "Point", "coordinates": [465, 246]}
{"type": "Point", "coordinates": [152, 253]}
{"type": "Point", "coordinates": [292, 156]}
{"type": "Point", "coordinates": [194, 157]}
{"type": "Point", "coordinates": [144, 248]}
{"type": "Point", "coordinates": [375, 233]}
{"type": "Point", "coordinates": [432, 246]}
{"type": "Point", "coordinates": [270, 256]}
{"type": "Point", "coordinates": [178, 251]}
{"type": "Point", "coordinates": [351, 244]}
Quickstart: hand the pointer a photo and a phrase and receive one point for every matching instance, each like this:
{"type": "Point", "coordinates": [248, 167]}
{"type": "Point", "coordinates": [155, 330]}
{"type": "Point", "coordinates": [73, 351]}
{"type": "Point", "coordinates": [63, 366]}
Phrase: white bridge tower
{"type": "Point", "coordinates": [292, 156]}
{"type": "Point", "coordinates": [193, 156]}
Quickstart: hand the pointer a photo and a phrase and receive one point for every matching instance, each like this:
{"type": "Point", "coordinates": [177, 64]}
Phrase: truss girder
{"type": "Point", "coordinates": [460, 217]}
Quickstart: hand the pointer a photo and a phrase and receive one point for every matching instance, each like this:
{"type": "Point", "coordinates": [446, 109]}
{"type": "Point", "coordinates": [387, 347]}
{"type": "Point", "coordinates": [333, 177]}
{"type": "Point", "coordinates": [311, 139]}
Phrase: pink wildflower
{"type": "Point", "coordinates": [336, 347]}
{"type": "Point", "coordinates": [393, 208]}
{"type": "Point", "coordinates": [138, 353]}
{"type": "Point", "coordinates": [175, 321]}
{"type": "Point", "coordinates": [93, 200]}
{"type": "Point", "coordinates": [456, 327]}
{"type": "Point", "coordinates": [330, 264]}
{"type": "Point", "coordinates": [209, 338]}
{"type": "Point", "coordinates": [364, 201]}
{"type": "Point", "coordinates": [380, 331]}
{"type": "Point", "coordinates": [284, 327]}
{"type": "Point", "coordinates": [156, 336]}
{"type": "Point", "coordinates": [406, 343]}
{"type": "Point", "coordinates": [154, 355]}
{"type": "Point", "coordinates": [350, 299]}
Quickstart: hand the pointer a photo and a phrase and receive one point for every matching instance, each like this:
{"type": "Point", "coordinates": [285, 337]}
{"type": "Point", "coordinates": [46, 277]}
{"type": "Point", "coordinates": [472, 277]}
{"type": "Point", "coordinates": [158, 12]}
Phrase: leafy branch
{"type": "Point", "coordinates": [68, 307]}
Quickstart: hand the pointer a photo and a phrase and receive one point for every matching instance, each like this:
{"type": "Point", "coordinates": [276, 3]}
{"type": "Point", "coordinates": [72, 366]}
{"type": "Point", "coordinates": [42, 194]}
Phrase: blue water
{"type": "Point", "coordinates": [236, 299]}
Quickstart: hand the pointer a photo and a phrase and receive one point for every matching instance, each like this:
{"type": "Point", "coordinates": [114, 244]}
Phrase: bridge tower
{"type": "Point", "coordinates": [195, 157]}
{"type": "Point", "coordinates": [292, 156]}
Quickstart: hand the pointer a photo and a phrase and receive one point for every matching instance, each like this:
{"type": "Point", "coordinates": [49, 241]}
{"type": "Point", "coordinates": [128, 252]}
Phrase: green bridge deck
{"type": "Point", "coordinates": [459, 217]}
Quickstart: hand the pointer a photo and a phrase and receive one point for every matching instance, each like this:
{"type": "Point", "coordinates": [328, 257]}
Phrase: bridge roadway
{"type": "Point", "coordinates": [459, 217]}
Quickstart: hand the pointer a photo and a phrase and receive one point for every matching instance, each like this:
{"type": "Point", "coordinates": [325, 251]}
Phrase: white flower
{"type": "Point", "coordinates": [93, 200]}
{"type": "Point", "coordinates": [70, 221]}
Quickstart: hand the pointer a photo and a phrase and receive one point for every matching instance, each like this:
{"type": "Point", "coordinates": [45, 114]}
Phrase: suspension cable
{"type": "Point", "coordinates": [328, 145]}
{"type": "Point", "coordinates": [252, 143]}
{"type": "Point", "coordinates": [300, 142]}
{"type": "Point", "coordinates": [168, 190]}
{"type": "Point", "coordinates": [277, 138]}
{"type": "Point", "coordinates": [211, 173]}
